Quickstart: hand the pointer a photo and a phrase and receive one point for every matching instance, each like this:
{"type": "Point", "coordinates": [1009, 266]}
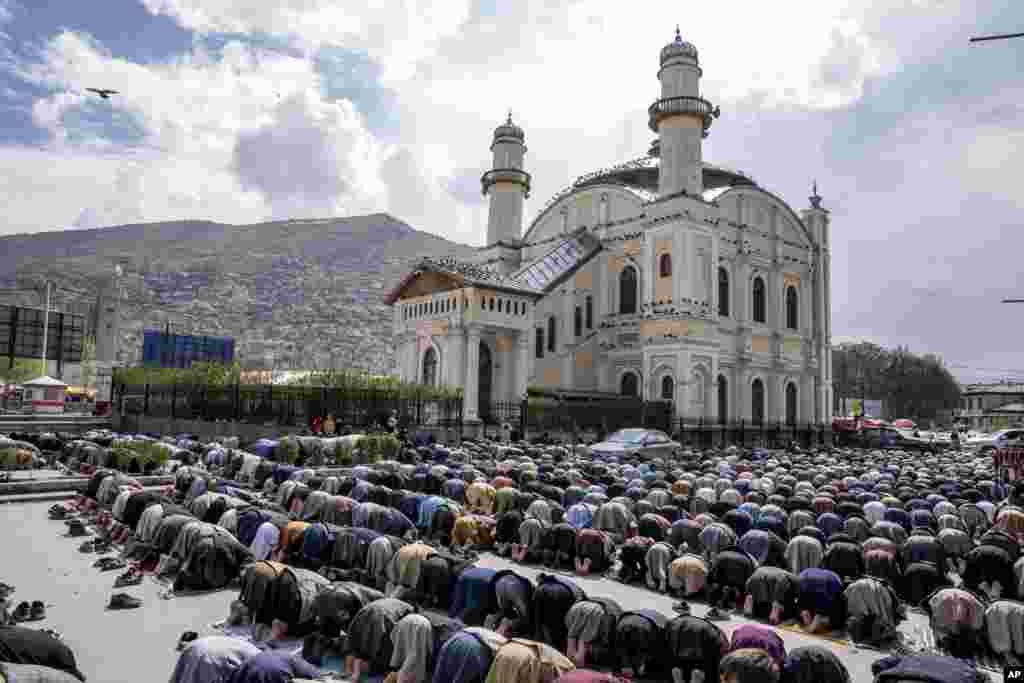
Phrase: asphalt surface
{"type": "Point", "coordinates": [139, 645]}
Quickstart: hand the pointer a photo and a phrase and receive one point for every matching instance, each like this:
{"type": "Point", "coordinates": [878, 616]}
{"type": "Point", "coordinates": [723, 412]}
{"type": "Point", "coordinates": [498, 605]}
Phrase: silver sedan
{"type": "Point", "coordinates": [643, 443]}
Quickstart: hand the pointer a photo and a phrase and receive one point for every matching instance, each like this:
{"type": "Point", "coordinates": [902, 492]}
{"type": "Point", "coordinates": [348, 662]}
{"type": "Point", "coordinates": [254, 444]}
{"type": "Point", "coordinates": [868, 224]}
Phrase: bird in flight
{"type": "Point", "coordinates": [103, 92]}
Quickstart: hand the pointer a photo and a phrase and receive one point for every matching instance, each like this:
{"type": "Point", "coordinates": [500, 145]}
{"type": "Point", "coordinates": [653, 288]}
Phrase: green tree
{"type": "Point", "coordinates": [914, 386]}
{"type": "Point", "coordinates": [24, 369]}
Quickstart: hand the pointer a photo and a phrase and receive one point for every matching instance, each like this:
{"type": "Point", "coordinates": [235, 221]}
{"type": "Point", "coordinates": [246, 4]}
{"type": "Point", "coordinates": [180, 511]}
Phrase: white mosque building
{"type": "Point", "coordinates": [666, 278]}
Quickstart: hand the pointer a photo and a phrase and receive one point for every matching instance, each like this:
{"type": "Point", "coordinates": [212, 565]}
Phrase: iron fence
{"type": "Point", "coordinates": [297, 406]}
{"type": "Point", "coordinates": [287, 406]}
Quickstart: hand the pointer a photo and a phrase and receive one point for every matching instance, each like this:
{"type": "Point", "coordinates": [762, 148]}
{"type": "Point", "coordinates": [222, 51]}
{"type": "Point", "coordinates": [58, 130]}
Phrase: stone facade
{"type": "Point", "coordinates": [665, 277]}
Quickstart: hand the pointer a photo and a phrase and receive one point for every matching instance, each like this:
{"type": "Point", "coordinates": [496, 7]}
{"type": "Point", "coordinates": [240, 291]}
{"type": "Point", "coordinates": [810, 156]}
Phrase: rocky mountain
{"type": "Point", "coordinates": [294, 294]}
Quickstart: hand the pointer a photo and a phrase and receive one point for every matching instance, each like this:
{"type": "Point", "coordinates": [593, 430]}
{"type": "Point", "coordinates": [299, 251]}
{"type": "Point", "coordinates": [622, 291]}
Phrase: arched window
{"type": "Point", "coordinates": [551, 333]}
{"type": "Point", "coordinates": [538, 349]}
{"type": "Point", "coordinates": [499, 305]}
{"type": "Point", "coordinates": [723, 400]}
{"type": "Point", "coordinates": [577, 321]}
{"type": "Point", "coordinates": [757, 401]}
{"type": "Point", "coordinates": [760, 305]}
{"type": "Point", "coordinates": [627, 290]}
{"type": "Point", "coordinates": [723, 292]}
{"type": "Point", "coordinates": [430, 367]}
{"type": "Point", "coordinates": [792, 317]}
{"type": "Point", "coordinates": [630, 385]}
{"type": "Point", "coordinates": [665, 265]}
{"type": "Point", "coordinates": [668, 388]}
{"type": "Point", "coordinates": [590, 312]}
{"type": "Point", "coordinates": [791, 404]}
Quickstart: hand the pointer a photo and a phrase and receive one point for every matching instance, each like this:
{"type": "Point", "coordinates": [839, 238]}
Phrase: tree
{"type": "Point", "coordinates": [89, 361]}
{"type": "Point", "coordinates": [913, 386]}
{"type": "Point", "coordinates": [24, 369]}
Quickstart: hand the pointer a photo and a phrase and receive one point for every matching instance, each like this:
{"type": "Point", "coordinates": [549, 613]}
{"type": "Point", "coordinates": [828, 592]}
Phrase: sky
{"type": "Point", "coordinates": [241, 111]}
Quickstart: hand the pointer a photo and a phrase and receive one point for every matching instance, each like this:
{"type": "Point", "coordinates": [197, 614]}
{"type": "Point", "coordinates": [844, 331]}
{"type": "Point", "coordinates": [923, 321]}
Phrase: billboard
{"type": "Point", "coordinates": [21, 334]}
{"type": "Point", "coordinates": [167, 350]}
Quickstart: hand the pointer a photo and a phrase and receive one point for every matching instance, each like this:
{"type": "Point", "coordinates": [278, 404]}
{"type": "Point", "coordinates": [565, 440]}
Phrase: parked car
{"type": "Point", "coordinates": [1004, 438]}
{"type": "Point", "coordinates": [906, 441]}
{"type": "Point", "coordinates": [644, 443]}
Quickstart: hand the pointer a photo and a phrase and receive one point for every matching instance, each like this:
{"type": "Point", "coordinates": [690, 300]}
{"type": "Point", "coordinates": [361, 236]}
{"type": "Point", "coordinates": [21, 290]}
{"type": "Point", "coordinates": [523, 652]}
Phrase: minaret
{"type": "Point", "coordinates": [681, 118]}
{"type": "Point", "coordinates": [816, 218]}
{"type": "Point", "coordinates": [507, 183]}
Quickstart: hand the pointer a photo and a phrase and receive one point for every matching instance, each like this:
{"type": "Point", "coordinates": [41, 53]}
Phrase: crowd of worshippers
{"type": "Point", "coordinates": [835, 540]}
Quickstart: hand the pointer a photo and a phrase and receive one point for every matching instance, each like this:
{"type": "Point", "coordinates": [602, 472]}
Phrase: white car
{"type": "Point", "coordinates": [1001, 439]}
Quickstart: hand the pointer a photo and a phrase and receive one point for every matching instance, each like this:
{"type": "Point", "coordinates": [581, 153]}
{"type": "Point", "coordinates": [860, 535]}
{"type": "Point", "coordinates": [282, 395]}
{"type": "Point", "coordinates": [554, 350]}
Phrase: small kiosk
{"type": "Point", "coordinates": [45, 395]}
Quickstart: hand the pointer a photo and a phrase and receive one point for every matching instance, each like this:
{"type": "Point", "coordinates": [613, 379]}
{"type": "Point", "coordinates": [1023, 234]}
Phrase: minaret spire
{"type": "Point", "coordinates": [815, 198]}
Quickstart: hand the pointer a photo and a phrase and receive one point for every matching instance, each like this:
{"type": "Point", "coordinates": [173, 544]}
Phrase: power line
{"type": "Point", "coordinates": [1001, 36]}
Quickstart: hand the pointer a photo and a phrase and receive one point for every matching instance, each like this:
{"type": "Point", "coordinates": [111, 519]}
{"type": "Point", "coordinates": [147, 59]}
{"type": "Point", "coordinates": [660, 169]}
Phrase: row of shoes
{"type": "Point", "coordinates": [99, 546]}
{"type": "Point", "coordinates": [36, 611]}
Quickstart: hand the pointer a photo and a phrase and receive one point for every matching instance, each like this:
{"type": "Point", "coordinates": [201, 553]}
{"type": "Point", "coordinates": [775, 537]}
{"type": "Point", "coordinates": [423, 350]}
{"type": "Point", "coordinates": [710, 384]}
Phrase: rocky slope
{"type": "Point", "coordinates": [293, 294]}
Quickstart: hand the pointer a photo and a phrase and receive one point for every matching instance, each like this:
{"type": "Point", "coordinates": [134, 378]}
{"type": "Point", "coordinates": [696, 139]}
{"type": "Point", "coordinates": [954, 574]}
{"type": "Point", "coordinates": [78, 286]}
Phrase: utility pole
{"type": "Point", "coordinates": [46, 327]}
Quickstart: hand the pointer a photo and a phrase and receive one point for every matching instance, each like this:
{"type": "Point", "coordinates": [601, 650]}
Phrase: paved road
{"type": "Point", "coordinates": [111, 647]}
{"type": "Point", "coordinates": [138, 645]}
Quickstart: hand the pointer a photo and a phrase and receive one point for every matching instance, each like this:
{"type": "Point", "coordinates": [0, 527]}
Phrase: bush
{"type": "Point", "coordinates": [343, 454]}
{"type": "Point", "coordinates": [8, 457]}
{"type": "Point", "coordinates": [289, 450]}
{"type": "Point", "coordinates": [389, 446]}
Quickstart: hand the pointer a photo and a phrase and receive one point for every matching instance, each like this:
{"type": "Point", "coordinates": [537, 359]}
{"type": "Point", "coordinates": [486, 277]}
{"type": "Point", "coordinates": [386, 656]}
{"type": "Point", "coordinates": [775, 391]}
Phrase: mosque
{"type": "Point", "coordinates": [665, 278]}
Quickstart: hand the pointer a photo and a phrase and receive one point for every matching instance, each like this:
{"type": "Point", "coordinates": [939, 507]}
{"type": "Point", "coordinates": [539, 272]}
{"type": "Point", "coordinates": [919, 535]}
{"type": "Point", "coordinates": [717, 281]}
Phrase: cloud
{"type": "Point", "coordinates": [311, 158]}
{"type": "Point", "coordinates": [291, 108]}
{"type": "Point", "coordinates": [396, 35]}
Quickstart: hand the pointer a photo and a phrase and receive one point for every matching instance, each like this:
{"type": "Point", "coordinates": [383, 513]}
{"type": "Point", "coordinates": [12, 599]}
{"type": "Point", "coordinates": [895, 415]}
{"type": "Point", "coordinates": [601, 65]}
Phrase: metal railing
{"type": "Point", "coordinates": [286, 406]}
{"type": "Point", "coordinates": [682, 104]}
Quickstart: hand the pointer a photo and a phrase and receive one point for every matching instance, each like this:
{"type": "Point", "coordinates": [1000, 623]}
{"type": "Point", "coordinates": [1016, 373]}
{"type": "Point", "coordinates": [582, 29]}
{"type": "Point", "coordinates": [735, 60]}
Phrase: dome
{"type": "Point", "coordinates": [509, 130]}
{"type": "Point", "coordinates": [678, 48]}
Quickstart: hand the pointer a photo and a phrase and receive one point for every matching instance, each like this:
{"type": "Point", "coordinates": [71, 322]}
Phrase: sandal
{"type": "Point", "coordinates": [21, 612]}
{"type": "Point", "coordinates": [123, 601]}
{"type": "Point", "coordinates": [129, 578]}
{"type": "Point", "coordinates": [87, 547]}
{"type": "Point", "coordinates": [37, 611]}
{"type": "Point", "coordinates": [186, 639]}
{"type": "Point", "coordinates": [106, 564]}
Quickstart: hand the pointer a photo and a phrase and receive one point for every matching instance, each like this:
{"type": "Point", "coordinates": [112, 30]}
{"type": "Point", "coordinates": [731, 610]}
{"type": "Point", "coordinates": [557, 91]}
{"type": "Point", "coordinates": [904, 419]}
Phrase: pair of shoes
{"type": "Point", "coordinates": [186, 639]}
{"type": "Point", "coordinates": [76, 528]}
{"type": "Point", "coordinates": [53, 634]}
{"type": "Point", "coordinates": [130, 578]}
{"type": "Point", "coordinates": [715, 614]}
{"type": "Point", "coordinates": [26, 612]}
{"type": "Point", "coordinates": [106, 564]}
{"type": "Point", "coordinates": [681, 607]}
{"type": "Point", "coordinates": [87, 547]}
{"type": "Point", "coordinates": [123, 601]}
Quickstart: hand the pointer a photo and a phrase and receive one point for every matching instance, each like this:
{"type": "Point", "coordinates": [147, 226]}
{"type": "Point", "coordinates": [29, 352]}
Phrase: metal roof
{"type": "Point", "coordinates": [569, 254]}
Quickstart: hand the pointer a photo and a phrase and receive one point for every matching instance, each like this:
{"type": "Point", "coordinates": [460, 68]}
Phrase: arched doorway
{"type": "Point", "coordinates": [757, 401]}
{"type": "Point", "coordinates": [630, 385]}
{"type": "Point", "coordinates": [791, 404]}
{"type": "Point", "coordinates": [430, 367]}
{"type": "Point", "coordinates": [668, 388]}
{"type": "Point", "coordinates": [486, 380]}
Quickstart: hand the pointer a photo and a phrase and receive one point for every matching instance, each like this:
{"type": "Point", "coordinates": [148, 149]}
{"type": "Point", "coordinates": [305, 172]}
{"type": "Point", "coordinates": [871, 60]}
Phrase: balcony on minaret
{"type": "Point", "coordinates": [682, 105]}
